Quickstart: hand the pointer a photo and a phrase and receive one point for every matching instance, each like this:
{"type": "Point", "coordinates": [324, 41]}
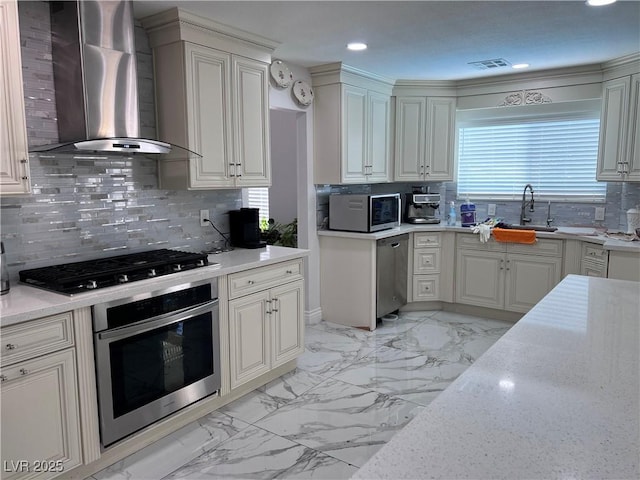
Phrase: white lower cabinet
{"type": "Point", "coordinates": [501, 276]}
{"type": "Point", "coordinates": [266, 328]}
{"type": "Point", "coordinates": [39, 400]}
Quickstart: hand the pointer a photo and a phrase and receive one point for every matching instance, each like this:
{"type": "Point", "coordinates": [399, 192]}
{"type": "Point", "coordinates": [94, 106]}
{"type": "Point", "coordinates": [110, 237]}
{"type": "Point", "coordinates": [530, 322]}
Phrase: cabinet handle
{"type": "Point", "coordinates": [24, 371]}
{"type": "Point", "coordinates": [275, 309]}
{"type": "Point", "coordinates": [508, 264]}
{"type": "Point", "coordinates": [233, 169]}
{"type": "Point", "coordinates": [23, 160]}
{"type": "Point", "coordinates": [501, 264]}
{"type": "Point", "coordinates": [24, 177]}
{"type": "Point", "coordinates": [289, 272]}
{"type": "Point", "coordinates": [11, 346]}
{"type": "Point", "coordinates": [3, 378]}
{"type": "Point", "coordinates": [251, 282]}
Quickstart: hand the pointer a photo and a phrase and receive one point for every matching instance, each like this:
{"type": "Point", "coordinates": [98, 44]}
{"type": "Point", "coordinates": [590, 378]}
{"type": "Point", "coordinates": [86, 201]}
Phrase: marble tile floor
{"type": "Point", "coordinates": [351, 392]}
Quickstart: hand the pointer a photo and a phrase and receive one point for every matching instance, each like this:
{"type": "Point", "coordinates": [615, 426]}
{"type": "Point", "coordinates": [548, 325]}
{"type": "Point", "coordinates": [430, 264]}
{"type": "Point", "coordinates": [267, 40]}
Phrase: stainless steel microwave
{"type": "Point", "coordinates": [364, 212]}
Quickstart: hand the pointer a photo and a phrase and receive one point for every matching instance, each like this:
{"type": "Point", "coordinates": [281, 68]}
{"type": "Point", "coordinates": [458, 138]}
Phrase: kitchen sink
{"type": "Point", "coordinates": [537, 228]}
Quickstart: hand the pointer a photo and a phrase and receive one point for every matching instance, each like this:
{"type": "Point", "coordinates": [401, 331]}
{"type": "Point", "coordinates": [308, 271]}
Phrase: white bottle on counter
{"type": "Point", "coordinates": [633, 219]}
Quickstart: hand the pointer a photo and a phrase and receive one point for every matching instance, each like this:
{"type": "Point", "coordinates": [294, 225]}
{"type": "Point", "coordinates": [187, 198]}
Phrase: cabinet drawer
{"type": "Point", "coordinates": [426, 288]}
{"type": "Point", "coordinates": [426, 239]}
{"type": "Point", "coordinates": [254, 280]}
{"type": "Point", "coordinates": [426, 260]}
{"type": "Point", "coordinates": [593, 269]}
{"type": "Point", "coordinates": [465, 240]}
{"type": "Point", "coordinates": [543, 246]}
{"type": "Point", "coordinates": [594, 253]}
{"type": "Point", "coordinates": [37, 337]}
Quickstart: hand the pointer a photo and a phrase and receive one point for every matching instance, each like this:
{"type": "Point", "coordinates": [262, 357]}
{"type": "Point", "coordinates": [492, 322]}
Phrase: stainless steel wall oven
{"type": "Point", "coordinates": [155, 353]}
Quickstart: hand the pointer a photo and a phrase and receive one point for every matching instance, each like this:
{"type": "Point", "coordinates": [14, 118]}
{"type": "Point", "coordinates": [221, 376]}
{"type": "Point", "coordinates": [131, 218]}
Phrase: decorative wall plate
{"type": "Point", "coordinates": [280, 73]}
{"type": "Point", "coordinates": [302, 93]}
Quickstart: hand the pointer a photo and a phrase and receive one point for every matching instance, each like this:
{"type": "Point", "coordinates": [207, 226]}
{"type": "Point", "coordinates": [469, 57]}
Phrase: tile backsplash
{"type": "Point", "coordinates": [95, 205]}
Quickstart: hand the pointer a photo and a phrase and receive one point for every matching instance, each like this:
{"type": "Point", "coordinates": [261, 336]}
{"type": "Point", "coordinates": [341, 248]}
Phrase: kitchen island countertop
{"type": "Point", "coordinates": [24, 302]}
{"type": "Point", "coordinates": [556, 397]}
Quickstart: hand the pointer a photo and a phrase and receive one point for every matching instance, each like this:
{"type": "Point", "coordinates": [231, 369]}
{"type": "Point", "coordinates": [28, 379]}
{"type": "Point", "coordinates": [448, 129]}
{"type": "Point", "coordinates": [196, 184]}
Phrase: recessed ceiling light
{"type": "Point", "coordinates": [520, 65]}
{"type": "Point", "coordinates": [599, 3]}
{"type": "Point", "coordinates": [357, 46]}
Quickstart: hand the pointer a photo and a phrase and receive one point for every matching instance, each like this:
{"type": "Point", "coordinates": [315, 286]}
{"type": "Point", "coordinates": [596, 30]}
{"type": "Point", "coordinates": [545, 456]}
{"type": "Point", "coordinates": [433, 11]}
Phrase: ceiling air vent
{"type": "Point", "coordinates": [489, 64]}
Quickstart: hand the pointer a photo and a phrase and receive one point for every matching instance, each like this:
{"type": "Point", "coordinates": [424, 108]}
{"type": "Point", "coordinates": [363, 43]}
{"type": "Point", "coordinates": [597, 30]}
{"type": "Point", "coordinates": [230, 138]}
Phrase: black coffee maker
{"type": "Point", "coordinates": [245, 228]}
{"type": "Point", "coordinates": [420, 206]}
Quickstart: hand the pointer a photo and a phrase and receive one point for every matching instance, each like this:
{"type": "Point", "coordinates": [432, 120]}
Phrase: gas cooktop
{"type": "Point", "coordinates": [77, 277]}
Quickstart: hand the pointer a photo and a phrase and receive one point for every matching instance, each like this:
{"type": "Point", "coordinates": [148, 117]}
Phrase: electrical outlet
{"type": "Point", "coordinates": [491, 209]}
{"type": "Point", "coordinates": [599, 213]}
{"type": "Point", "coordinates": [204, 216]}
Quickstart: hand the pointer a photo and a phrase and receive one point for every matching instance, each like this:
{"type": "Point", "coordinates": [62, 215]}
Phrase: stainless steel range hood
{"type": "Point", "coordinates": [95, 75]}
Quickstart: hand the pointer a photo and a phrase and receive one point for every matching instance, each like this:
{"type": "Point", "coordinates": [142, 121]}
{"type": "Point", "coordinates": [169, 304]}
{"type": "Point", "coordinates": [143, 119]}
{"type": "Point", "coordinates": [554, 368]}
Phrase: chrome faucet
{"type": "Point", "coordinates": [523, 207]}
{"type": "Point", "coordinates": [549, 219]}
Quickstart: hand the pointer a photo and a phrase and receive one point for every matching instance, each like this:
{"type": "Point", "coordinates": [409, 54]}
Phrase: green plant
{"type": "Point", "coordinates": [284, 235]}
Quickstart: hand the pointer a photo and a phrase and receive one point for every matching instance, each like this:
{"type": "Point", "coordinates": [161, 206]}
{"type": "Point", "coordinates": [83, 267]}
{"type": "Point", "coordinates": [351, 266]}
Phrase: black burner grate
{"type": "Point", "coordinates": [76, 277]}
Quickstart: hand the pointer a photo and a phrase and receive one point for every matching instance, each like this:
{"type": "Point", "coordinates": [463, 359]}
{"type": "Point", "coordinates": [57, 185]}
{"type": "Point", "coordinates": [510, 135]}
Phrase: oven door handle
{"type": "Point", "coordinates": [157, 322]}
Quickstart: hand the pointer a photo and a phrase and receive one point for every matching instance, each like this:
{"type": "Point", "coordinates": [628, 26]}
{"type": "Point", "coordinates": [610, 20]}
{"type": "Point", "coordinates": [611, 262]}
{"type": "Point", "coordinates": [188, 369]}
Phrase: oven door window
{"type": "Point", "coordinates": [150, 365]}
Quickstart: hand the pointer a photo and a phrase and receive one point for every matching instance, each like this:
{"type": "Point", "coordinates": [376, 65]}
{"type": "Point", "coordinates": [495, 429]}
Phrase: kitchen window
{"type": "Point", "coordinates": [257, 197]}
{"type": "Point", "coordinates": [553, 147]}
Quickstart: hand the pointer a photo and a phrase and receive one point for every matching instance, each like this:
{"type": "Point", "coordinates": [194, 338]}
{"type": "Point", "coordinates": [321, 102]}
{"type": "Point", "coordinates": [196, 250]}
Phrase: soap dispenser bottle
{"type": "Point", "coordinates": [452, 214]}
{"type": "Point", "coordinates": [468, 214]}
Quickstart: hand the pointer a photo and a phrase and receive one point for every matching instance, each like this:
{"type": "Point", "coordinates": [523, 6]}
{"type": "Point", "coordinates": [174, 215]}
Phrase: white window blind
{"type": "Point", "coordinates": [555, 152]}
{"type": "Point", "coordinates": [258, 197]}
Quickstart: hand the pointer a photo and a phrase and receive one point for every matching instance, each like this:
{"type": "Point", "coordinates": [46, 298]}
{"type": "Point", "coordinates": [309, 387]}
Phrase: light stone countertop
{"type": "Point", "coordinates": [24, 302]}
{"type": "Point", "coordinates": [556, 397]}
{"type": "Point", "coordinates": [574, 233]}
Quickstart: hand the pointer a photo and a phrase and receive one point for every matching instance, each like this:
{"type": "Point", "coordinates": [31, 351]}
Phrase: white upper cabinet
{"type": "Point", "coordinates": [619, 146]}
{"type": "Point", "coordinates": [425, 139]}
{"type": "Point", "coordinates": [212, 97]}
{"type": "Point", "coordinates": [352, 127]}
{"type": "Point", "coordinates": [14, 159]}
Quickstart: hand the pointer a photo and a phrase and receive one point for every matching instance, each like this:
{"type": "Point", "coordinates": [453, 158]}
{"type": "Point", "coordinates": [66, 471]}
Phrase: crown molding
{"type": "Point", "coordinates": [338, 72]}
{"type": "Point", "coordinates": [177, 24]}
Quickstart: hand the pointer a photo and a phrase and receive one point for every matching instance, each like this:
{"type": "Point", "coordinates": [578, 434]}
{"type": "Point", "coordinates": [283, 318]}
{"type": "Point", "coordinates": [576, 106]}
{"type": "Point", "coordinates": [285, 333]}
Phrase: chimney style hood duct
{"type": "Point", "coordinates": [95, 75]}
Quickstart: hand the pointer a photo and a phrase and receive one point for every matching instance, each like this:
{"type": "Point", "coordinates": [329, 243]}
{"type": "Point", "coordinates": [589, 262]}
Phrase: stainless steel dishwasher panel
{"type": "Point", "coordinates": [391, 273]}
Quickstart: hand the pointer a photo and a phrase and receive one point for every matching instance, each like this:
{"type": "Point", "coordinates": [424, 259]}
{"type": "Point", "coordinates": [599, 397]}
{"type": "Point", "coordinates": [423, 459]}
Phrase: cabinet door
{"type": "Point", "coordinates": [354, 104]}
{"type": "Point", "coordinates": [251, 123]}
{"type": "Point", "coordinates": [613, 129]}
{"type": "Point", "coordinates": [633, 137]}
{"type": "Point", "coordinates": [440, 140]}
{"type": "Point", "coordinates": [528, 279]}
{"type": "Point", "coordinates": [480, 278]}
{"type": "Point", "coordinates": [249, 337]}
{"type": "Point", "coordinates": [14, 166]}
{"type": "Point", "coordinates": [40, 417]}
{"type": "Point", "coordinates": [410, 138]}
{"type": "Point", "coordinates": [209, 116]}
{"type": "Point", "coordinates": [287, 310]}
{"type": "Point", "coordinates": [378, 138]}
{"type": "Point", "coordinates": [624, 265]}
